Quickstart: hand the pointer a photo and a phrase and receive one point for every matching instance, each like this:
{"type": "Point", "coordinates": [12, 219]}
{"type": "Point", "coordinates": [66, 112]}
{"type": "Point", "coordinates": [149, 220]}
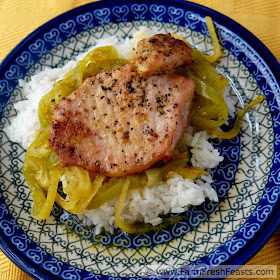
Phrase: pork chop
{"type": "Point", "coordinates": [120, 123]}
{"type": "Point", "coordinates": [161, 53]}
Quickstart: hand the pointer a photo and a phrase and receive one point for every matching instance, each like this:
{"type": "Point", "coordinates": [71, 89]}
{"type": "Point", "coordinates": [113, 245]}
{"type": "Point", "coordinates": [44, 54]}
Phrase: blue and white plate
{"type": "Point", "coordinates": [247, 182]}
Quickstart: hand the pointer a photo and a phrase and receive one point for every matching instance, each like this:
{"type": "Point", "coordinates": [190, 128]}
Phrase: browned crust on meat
{"type": "Point", "coordinates": [160, 54]}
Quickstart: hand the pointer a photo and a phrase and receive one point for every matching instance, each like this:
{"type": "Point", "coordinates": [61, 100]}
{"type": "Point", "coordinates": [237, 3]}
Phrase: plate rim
{"type": "Point", "coordinates": [270, 225]}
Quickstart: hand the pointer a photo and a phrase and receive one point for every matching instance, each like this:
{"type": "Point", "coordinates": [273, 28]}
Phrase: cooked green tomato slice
{"type": "Point", "coordinates": [215, 41]}
{"type": "Point", "coordinates": [113, 187]}
{"type": "Point", "coordinates": [238, 122]}
{"type": "Point", "coordinates": [41, 180]}
{"type": "Point", "coordinates": [209, 109]}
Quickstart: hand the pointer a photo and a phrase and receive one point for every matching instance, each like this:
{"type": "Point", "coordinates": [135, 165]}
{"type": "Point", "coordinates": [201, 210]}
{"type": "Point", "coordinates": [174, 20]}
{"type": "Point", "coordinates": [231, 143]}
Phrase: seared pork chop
{"type": "Point", "coordinates": [161, 53]}
{"type": "Point", "coordinates": [120, 123]}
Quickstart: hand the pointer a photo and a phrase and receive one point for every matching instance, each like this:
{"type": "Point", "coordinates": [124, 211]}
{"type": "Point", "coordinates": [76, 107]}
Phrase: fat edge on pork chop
{"type": "Point", "coordinates": [123, 121]}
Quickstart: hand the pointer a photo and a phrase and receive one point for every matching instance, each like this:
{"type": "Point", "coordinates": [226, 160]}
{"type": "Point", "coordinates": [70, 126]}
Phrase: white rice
{"type": "Point", "coordinates": [174, 196]}
{"type": "Point", "coordinates": [203, 153]}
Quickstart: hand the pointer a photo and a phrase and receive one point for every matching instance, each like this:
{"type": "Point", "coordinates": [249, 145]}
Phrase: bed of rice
{"type": "Point", "coordinates": [174, 196]}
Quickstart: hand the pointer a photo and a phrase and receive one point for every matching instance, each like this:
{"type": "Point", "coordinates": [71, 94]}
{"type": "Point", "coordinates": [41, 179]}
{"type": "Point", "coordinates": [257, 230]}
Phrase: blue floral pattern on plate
{"type": "Point", "coordinates": [212, 234]}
